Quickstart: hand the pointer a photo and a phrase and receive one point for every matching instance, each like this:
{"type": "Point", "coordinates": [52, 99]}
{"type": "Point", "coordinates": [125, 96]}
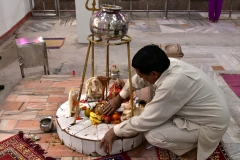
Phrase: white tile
{"type": "Point", "coordinates": [89, 133]}
{"type": "Point", "coordinates": [79, 126]}
{"type": "Point", "coordinates": [77, 144]}
{"type": "Point", "coordinates": [59, 131]}
{"type": "Point", "coordinates": [137, 140]}
{"type": "Point", "coordinates": [88, 147]}
{"type": "Point", "coordinates": [98, 150]}
{"type": "Point", "coordinates": [101, 130]}
{"type": "Point", "coordinates": [117, 147]}
{"type": "Point", "coordinates": [127, 144]}
{"type": "Point", "coordinates": [63, 110]}
{"type": "Point", "coordinates": [65, 122]}
{"type": "Point", "coordinates": [66, 139]}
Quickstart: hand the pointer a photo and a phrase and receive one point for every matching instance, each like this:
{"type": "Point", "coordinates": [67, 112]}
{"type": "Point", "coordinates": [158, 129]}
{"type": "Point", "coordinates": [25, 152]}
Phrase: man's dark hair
{"type": "Point", "coordinates": [150, 58]}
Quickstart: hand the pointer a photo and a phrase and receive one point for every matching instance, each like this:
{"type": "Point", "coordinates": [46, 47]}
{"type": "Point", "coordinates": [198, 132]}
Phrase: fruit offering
{"type": "Point", "coordinates": [96, 115]}
{"type": "Point", "coordinates": [96, 119]}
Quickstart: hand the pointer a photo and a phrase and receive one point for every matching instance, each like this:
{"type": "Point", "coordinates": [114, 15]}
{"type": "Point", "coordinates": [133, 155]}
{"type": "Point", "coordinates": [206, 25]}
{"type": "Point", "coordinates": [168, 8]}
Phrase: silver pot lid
{"type": "Point", "coordinates": [110, 8]}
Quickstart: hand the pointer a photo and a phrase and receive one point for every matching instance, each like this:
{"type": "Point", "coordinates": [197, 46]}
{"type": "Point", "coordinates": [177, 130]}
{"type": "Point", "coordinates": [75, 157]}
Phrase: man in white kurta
{"type": "Point", "coordinates": [187, 111]}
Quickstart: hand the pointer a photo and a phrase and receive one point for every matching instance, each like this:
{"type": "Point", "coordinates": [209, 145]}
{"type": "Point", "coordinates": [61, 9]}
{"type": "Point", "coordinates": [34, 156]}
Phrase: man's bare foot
{"type": "Point", "coordinates": [191, 155]}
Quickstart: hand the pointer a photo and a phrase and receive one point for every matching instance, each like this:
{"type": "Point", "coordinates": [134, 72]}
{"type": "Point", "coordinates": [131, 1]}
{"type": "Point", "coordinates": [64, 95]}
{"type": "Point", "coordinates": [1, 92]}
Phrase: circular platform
{"type": "Point", "coordinates": [85, 138]}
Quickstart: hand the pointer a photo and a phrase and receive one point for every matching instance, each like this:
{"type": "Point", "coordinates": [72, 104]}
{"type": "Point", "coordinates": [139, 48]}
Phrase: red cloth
{"type": "Point", "coordinates": [233, 81]}
{"type": "Point", "coordinates": [219, 154]}
{"type": "Point", "coordinates": [18, 147]}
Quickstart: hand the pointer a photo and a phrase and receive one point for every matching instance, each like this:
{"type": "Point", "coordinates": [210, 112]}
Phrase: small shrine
{"type": "Point", "coordinates": [81, 123]}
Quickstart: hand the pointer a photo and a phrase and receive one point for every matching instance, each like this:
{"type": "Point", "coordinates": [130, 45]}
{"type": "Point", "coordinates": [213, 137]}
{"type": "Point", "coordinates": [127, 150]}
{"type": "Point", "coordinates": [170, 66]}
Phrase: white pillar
{"type": "Point", "coordinates": [83, 18]}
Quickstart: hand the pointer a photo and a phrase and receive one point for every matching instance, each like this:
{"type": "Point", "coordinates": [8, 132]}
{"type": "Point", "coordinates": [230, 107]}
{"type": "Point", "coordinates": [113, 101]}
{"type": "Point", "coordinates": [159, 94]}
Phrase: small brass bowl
{"type": "Point", "coordinates": [142, 103]}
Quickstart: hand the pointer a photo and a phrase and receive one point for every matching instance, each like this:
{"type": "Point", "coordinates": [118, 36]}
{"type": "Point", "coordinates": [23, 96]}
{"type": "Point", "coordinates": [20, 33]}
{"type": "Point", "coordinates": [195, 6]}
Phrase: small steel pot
{"type": "Point", "coordinates": [46, 124]}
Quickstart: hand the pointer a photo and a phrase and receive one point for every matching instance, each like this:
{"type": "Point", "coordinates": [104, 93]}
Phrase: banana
{"type": "Point", "coordinates": [92, 114]}
{"type": "Point", "coordinates": [96, 119]}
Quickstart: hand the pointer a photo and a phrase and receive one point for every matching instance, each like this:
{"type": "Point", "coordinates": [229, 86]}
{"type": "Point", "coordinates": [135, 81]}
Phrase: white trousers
{"type": "Point", "coordinates": [169, 136]}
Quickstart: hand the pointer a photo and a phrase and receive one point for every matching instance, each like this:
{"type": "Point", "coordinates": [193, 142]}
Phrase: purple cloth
{"type": "Point", "coordinates": [233, 81]}
{"type": "Point", "coordinates": [214, 9]}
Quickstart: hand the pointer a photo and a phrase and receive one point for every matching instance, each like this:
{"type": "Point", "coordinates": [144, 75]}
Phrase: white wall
{"type": "Point", "coordinates": [83, 17]}
{"type": "Point", "coordinates": [11, 12]}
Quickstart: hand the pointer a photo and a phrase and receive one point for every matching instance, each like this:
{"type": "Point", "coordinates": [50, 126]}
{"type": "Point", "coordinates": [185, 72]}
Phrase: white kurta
{"type": "Point", "coordinates": [189, 96]}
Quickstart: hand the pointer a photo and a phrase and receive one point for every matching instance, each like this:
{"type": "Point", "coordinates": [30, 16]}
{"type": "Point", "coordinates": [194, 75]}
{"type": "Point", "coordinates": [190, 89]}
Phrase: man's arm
{"type": "Point", "coordinates": [115, 103]}
{"type": "Point", "coordinates": [137, 83]}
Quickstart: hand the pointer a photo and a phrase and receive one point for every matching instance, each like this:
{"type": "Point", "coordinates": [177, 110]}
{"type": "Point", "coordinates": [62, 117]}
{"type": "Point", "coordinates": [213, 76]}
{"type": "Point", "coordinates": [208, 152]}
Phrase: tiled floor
{"type": "Point", "coordinates": [23, 109]}
{"type": "Point", "coordinates": [213, 47]}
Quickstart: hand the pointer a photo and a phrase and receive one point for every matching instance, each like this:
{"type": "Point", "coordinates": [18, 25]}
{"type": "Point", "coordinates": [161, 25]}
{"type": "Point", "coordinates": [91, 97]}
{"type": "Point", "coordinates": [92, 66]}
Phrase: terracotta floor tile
{"type": "Point", "coordinates": [31, 98]}
{"type": "Point", "coordinates": [19, 115]}
{"type": "Point", "coordinates": [49, 90]}
{"type": "Point", "coordinates": [4, 124]}
{"type": "Point", "coordinates": [57, 150]}
{"type": "Point", "coordinates": [44, 83]}
{"type": "Point", "coordinates": [33, 84]}
{"type": "Point", "coordinates": [23, 107]}
{"type": "Point", "coordinates": [12, 97]}
{"type": "Point", "coordinates": [1, 112]}
{"type": "Point", "coordinates": [11, 125]}
{"type": "Point", "coordinates": [218, 68]}
{"type": "Point", "coordinates": [4, 136]}
{"type": "Point", "coordinates": [44, 146]}
{"type": "Point", "coordinates": [9, 105]}
{"type": "Point", "coordinates": [66, 84]}
{"type": "Point", "coordinates": [56, 78]}
{"type": "Point", "coordinates": [23, 91]}
{"type": "Point", "coordinates": [75, 77]}
{"type": "Point", "coordinates": [58, 98]}
{"type": "Point", "coordinates": [28, 125]}
{"type": "Point", "coordinates": [46, 113]}
{"type": "Point", "coordinates": [48, 138]}
{"type": "Point", "coordinates": [42, 106]}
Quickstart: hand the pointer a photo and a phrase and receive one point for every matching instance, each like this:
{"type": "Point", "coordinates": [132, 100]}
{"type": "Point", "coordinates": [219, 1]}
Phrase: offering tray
{"type": "Point", "coordinates": [84, 137]}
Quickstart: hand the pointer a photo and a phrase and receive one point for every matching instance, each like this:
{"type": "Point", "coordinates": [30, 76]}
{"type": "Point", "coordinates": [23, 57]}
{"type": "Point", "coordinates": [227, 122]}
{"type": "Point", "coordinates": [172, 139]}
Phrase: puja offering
{"type": "Point", "coordinates": [115, 88]}
{"type": "Point", "coordinates": [94, 89]}
{"type": "Point", "coordinates": [91, 125]}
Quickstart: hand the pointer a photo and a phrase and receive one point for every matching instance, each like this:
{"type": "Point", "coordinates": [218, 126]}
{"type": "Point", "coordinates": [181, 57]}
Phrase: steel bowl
{"type": "Point", "coordinates": [46, 124]}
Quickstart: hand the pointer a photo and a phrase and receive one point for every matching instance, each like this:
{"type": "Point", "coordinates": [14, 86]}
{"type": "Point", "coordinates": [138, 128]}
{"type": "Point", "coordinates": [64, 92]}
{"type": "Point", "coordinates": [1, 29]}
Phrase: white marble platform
{"type": "Point", "coordinates": [85, 138]}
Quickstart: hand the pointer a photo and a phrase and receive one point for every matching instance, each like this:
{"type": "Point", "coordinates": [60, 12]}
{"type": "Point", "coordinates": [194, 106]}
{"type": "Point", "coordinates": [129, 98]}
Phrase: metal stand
{"type": "Point", "coordinates": [125, 40]}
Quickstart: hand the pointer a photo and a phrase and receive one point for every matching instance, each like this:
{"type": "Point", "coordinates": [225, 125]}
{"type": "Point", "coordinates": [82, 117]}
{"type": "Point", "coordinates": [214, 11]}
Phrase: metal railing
{"type": "Point", "coordinates": [165, 9]}
{"type": "Point", "coordinates": [44, 12]}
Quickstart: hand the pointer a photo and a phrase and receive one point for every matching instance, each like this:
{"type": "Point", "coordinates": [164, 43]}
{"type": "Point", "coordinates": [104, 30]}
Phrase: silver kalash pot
{"type": "Point", "coordinates": [109, 23]}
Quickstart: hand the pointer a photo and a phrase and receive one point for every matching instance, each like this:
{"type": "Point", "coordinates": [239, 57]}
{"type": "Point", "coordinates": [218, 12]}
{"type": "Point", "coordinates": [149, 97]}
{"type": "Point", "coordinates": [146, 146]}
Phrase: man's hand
{"type": "Point", "coordinates": [113, 105]}
{"type": "Point", "coordinates": [107, 141]}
